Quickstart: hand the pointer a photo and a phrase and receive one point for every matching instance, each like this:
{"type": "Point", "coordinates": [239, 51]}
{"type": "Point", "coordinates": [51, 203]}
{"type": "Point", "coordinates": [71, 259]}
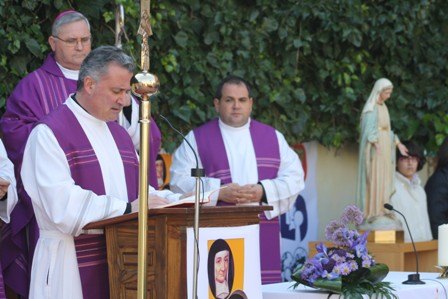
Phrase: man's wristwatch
{"type": "Point", "coordinates": [263, 197]}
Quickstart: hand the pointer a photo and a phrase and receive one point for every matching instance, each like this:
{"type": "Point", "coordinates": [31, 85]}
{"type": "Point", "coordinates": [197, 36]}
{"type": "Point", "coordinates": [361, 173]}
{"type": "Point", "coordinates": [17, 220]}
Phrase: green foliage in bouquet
{"type": "Point", "coordinates": [347, 268]}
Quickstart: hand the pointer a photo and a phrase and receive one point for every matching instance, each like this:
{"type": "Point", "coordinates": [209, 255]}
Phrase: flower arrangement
{"type": "Point", "coordinates": [347, 268]}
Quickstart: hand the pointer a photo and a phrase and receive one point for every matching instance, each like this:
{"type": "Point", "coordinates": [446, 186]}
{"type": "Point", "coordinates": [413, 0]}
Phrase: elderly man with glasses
{"type": "Point", "coordinates": [36, 95]}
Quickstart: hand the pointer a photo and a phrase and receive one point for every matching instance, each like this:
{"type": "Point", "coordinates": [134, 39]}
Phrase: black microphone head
{"type": "Point", "coordinates": [388, 206]}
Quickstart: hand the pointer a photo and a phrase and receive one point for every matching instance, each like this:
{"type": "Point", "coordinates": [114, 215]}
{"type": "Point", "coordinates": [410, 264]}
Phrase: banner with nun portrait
{"type": "Point", "coordinates": [299, 226]}
{"type": "Point", "coordinates": [229, 262]}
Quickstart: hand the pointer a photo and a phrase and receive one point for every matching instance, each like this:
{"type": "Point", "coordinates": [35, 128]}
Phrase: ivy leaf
{"type": "Point", "coordinates": [34, 47]}
{"type": "Point", "coordinates": [211, 37]}
{"type": "Point", "coordinates": [181, 39]}
{"type": "Point", "coordinates": [184, 113]}
{"type": "Point", "coordinates": [18, 65]}
{"type": "Point", "coordinates": [269, 24]}
{"type": "Point", "coordinates": [253, 15]}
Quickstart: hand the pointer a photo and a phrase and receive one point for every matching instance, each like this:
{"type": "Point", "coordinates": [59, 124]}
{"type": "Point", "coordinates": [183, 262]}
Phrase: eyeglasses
{"type": "Point", "coordinates": [410, 159]}
{"type": "Point", "coordinates": [72, 42]}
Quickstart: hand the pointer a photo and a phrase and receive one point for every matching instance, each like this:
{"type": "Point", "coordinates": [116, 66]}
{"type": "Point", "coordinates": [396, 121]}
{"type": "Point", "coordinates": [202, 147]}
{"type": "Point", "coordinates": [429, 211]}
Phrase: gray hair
{"type": "Point", "coordinates": [96, 64]}
{"type": "Point", "coordinates": [67, 18]}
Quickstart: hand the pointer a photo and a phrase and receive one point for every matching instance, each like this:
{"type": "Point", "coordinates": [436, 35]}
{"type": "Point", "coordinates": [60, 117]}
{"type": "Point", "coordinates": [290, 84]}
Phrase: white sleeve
{"type": "Point", "coordinates": [183, 161]}
{"type": "Point", "coordinates": [132, 128]}
{"type": "Point", "coordinates": [59, 204]}
{"type": "Point", "coordinates": [282, 191]}
{"type": "Point", "coordinates": [7, 173]}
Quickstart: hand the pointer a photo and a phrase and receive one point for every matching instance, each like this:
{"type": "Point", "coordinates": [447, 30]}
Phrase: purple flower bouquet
{"type": "Point", "coordinates": [347, 268]}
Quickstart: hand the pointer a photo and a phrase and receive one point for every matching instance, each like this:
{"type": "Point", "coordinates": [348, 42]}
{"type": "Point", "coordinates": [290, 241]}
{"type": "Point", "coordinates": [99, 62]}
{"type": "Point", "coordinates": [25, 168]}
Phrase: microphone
{"type": "Point", "coordinates": [412, 278]}
{"type": "Point", "coordinates": [197, 173]}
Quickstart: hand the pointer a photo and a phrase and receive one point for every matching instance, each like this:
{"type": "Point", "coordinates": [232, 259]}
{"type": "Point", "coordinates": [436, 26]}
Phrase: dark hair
{"type": "Point", "coordinates": [217, 246]}
{"type": "Point", "coordinates": [442, 155]}
{"type": "Point", "coordinates": [96, 64]}
{"type": "Point", "coordinates": [238, 294]}
{"type": "Point", "coordinates": [160, 158]}
{"type": "Point", "coordinates": [414, 150]}
{"type": "Point", "coordinates": [231, 79]}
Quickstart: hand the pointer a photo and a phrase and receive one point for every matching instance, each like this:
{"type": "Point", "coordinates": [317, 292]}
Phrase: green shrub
{"type": "Point", "coordinates": [312, 63]}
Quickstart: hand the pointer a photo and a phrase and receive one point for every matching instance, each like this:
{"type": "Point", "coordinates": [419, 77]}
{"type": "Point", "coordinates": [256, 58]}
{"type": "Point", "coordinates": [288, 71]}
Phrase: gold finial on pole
{"type": "Point", "coordinates": [145, 86]}
{"type": "Point", "coordinates": [145, 31]}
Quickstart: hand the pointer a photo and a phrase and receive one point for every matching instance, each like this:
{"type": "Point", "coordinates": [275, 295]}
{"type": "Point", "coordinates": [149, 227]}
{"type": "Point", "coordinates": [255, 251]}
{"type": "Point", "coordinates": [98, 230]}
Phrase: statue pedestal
{"type": "Point", "coordinates": [386, 236]}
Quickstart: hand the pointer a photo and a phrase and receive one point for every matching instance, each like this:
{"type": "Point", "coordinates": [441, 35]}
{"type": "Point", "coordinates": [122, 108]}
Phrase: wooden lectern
{"type": "Point", "coordinates": [167, 277]}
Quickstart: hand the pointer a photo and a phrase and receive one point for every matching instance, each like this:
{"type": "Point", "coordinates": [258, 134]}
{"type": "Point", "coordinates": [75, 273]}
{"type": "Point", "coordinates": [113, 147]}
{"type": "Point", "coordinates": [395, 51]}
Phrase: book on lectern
{"type": "Point", "coordinates": [209, 198]}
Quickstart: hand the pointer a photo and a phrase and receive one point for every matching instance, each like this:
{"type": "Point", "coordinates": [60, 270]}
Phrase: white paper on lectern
{"type": "Point", "coordinates": [209, 198]}
{"type": "Point", "coordinates": [252, 272]}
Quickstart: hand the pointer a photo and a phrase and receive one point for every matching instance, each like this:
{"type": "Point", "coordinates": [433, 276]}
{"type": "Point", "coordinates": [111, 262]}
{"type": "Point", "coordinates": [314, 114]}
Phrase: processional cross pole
{"type": "Point", "coordinates": [119, 25]}
{"type": "Point", "coordinates": [145, 86]}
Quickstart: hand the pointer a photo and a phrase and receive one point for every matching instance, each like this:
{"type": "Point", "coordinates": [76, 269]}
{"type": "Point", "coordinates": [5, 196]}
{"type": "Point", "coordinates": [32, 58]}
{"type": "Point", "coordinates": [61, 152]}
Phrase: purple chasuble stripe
{"type": "Point", "coordinates": [92, 264]}
{"type": "Point", "coordinates": [86, 172]}
{"type": "Point", "coordinates": [154, 148]}
{"type": "Point", "coordinates": [270, 250]}
{"type": "Point", "coordinates": [216, 165]}
{"type": "Point", "coordinates": [214, 158]}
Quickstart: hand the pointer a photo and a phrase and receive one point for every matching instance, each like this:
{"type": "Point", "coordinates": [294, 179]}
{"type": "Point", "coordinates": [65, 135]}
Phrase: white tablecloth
{"type": "Point", "coordinates": [434, 288]}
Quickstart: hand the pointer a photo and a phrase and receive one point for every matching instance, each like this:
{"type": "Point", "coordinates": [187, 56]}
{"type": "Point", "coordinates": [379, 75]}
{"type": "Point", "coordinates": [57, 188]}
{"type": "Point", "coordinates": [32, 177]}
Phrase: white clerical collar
{"type": "Point", "coordinates": [76, 107]}
{"type": "Point", "coordinates": [69, 74]}
{"type": "Point", "coordinates": [222, 289]}
{"type": "Point", "coordinates": [226, 127]}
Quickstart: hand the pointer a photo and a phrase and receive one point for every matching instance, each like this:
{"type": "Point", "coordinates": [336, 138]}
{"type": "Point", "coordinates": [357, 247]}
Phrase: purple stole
{"type": "Point", "coordinates": [215, 162]}
{"type": "Point", "coordinates": [86, 172]}
{"type": "Point", "coordinates": [36, 95]}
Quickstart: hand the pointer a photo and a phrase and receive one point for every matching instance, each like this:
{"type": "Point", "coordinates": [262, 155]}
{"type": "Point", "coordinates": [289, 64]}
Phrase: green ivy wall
{"type": "Point", "coordinates": [312, 63]}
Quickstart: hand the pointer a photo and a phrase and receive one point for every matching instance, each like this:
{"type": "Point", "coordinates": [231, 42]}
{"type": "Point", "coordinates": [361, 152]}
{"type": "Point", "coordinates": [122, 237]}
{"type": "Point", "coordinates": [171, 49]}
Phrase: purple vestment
{"type": "Point", "coordinates": [86, 172]}
{"type": "Point", "coordinates": [35, 96]}
{"type": "Point", "coordinates": [2, 287]}
{"type": "Point", "coordinates": [216, 165]}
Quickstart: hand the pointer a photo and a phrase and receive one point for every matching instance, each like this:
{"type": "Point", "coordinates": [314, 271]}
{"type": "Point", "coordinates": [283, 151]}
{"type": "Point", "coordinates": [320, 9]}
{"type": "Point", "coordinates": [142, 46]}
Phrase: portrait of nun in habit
{"type": "Point", "coordinates": [220, 269]}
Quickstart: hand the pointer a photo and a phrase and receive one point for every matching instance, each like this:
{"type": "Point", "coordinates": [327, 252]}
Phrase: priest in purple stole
{"type": "Point", "coordinates": [80, 166]}
{"type": "Point", "coordinates": [39, 93]}
{"type": "Point", "coordinates": [252, 159]}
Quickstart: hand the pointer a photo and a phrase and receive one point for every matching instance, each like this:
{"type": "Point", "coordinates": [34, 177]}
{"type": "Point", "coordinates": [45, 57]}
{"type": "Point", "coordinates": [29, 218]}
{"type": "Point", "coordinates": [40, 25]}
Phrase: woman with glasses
{"type": "Point", "coordinates": [410, 197]}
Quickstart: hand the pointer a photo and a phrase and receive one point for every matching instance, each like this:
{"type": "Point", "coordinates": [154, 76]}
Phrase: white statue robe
{"type": "Point", "coordinates": [62, 208]}
{"type": "Point", "coordinates": [281, 192]}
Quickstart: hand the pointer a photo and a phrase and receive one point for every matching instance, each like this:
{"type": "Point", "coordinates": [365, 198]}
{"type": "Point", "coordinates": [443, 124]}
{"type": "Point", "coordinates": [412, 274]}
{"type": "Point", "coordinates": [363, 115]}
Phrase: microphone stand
{"type": "Point", "coordinates": [197, 173]}
{"type": "Point", "coordinates": [415, 277]}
